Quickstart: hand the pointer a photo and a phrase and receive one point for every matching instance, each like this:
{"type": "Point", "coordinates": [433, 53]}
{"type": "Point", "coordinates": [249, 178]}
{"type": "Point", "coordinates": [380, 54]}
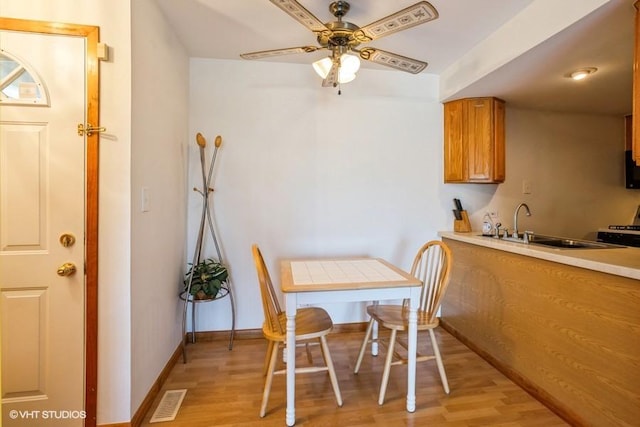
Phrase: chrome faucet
{"type": "Point", "coordinates": [515, 218]}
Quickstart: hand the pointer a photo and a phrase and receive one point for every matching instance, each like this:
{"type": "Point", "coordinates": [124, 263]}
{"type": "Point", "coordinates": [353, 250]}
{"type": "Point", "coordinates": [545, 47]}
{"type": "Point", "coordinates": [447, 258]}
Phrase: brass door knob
{"type": "Point", "coordinates": [66, 269]}
{"type": "Point", "coordinates": [67, 240]}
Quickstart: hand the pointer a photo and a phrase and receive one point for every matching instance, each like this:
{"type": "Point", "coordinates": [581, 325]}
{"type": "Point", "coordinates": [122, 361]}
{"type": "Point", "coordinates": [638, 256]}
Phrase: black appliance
{"type": "Point", "coordinates": [627, 235]}
{"type": "Point", "coordinates": [631, 171]}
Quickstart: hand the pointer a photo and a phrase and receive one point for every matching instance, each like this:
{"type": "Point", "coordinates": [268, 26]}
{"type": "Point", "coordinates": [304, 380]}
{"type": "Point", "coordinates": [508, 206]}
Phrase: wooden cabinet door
{"type": "Point", "coordinates": [455, 167]}
{"type": "Point", "coordinates": [480, 139]}
{"type": "Point", "coordinates": [474, 140]}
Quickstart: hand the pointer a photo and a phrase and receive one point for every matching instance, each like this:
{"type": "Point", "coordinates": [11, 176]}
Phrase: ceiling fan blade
{"type": "Point", "coordinates": [276, 52]}
{"type": "Point", "coordinates": [394, 60]}
{"type": "Point", "coordinates": [411, 16]}
{"type": "Point", "coordinates": [332, 78]}
{"type": "Point", "coordinates": [300, 14]}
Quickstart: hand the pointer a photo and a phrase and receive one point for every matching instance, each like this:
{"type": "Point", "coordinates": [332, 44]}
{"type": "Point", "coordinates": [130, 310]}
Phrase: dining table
{"type": "Point", "coordinates": [311, 281]}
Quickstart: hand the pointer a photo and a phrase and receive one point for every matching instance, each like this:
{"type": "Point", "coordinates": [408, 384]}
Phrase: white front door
{"type": "Point", "coordinates": [42, 167]}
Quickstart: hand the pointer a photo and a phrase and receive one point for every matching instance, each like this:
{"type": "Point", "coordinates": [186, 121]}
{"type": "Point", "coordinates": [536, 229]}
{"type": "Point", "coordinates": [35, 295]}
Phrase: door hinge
{"type": "Point", "coordinates": [89, 129]}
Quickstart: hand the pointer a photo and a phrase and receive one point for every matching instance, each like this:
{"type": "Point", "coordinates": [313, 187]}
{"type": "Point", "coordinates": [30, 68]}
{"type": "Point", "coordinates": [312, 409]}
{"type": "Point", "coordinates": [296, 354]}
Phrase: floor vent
{"type": "Point", "coordinates": [168, 407]}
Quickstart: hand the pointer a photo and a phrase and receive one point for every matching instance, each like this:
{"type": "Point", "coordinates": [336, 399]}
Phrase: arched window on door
{"type": "Point", "coordinates": [19, 84]}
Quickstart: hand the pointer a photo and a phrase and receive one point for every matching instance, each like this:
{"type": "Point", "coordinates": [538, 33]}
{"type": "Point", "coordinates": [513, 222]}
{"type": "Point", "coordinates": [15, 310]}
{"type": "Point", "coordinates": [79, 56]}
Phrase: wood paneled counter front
{"type": "Point", "coordinates": [564, 324]}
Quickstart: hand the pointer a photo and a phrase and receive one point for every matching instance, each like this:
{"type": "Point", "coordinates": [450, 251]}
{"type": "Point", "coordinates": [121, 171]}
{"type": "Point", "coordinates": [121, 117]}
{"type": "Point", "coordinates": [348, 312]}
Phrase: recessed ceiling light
{"type": "Point", "coordinates": [583, 73]}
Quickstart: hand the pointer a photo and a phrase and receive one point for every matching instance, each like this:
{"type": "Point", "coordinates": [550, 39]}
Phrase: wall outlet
{"type": "Point", "coordinates": [526, 187]}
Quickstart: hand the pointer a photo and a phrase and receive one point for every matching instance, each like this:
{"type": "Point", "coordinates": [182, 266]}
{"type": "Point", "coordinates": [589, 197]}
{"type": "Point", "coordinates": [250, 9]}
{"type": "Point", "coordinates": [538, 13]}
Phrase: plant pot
{"type": "Point", "coordinates": [205, 279]}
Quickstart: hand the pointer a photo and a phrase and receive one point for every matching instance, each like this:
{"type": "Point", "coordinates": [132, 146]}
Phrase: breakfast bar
{"type": "Point", "coordinates": [563, 323]}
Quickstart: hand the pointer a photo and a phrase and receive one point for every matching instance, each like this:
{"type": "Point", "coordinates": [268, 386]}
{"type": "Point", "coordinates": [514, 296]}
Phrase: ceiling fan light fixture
{"type": "Point", "coordinates": [346, 78]}
{"type": "Point", "coordinates": [349, 65]}
{"type": "Point", "coordinates": [322, 67]}
{"type": "Point", "coordinates": [583, 73]}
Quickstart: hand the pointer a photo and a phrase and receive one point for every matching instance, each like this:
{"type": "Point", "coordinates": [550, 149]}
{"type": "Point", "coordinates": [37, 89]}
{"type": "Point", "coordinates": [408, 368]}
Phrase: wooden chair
{"type": "Point", "coordinates": [431, 265]}
{"type": "Point", "coordinates": [312, 323]}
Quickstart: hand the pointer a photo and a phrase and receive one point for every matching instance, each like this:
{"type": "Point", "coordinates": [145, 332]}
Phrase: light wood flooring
{"type": "Point", "coordinates": [225, 389]}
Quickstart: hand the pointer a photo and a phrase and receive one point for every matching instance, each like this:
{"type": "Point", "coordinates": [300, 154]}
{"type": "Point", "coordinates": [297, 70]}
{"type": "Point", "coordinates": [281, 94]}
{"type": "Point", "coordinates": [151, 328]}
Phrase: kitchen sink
{"type": "Point", "coordinates": [566, 243]}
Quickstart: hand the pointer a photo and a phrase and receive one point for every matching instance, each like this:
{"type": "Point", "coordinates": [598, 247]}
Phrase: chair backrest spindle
{"type": "Point", "coordinates": [432, 265]}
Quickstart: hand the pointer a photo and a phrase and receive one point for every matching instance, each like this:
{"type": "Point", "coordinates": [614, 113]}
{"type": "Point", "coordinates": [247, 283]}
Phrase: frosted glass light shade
{"type": "Point", "coordinates": [346, 78]}
{"type": "Point", "coordinates": [349, 65]}
{"type": "Point", "coordinates": [322, 67]}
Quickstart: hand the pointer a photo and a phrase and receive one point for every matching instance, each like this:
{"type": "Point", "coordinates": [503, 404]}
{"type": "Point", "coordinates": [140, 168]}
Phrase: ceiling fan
{"type": "Point", "coordinates": [342, 37]}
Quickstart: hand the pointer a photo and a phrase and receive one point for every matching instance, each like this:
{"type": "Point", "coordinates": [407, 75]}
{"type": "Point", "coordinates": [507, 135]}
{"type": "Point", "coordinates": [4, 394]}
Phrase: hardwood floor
{"type": "Point", "coordinates": [225, 389]}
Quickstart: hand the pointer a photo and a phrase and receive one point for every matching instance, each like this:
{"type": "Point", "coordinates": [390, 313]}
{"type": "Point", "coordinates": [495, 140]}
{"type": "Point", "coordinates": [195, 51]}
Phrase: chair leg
{"type": "Point", "coordinates": [332, 372]}
{"type": "Point", "coordinates": [267, 357]}
{"type": "Point", "coordinates": [374, 339]}
{"type": "Point", "coordinates": [387, 366]}
{"type": "Point", "coordinates": [363, 347]}
{"type": "Point", "coordinates": [267, 385]}
{"type": "Point", "coordinates": [309, 356]}
{"type": "Point", "coordinates": [436, 352]}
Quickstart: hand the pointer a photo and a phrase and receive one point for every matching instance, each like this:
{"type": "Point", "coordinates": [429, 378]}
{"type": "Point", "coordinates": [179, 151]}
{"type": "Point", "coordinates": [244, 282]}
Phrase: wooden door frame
{"type": "Point", "coordinates": [92, 37]}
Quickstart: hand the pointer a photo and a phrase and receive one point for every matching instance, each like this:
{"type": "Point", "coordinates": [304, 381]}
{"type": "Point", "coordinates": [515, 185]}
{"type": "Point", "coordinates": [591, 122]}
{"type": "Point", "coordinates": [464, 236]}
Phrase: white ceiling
{"type": "Point", "coordinates": [539, 79]}
{"type": "Point", "coordinates": [223, 29]}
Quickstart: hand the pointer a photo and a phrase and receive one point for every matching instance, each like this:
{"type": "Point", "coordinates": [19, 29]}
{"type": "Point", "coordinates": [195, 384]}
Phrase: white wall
{"type": "Point", "coordinates": [160, 94]}
{"type": "Point", "coordinates": [304, 171]}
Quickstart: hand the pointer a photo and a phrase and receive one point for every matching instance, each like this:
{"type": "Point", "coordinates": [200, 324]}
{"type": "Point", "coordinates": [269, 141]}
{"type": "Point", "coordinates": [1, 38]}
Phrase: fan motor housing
{"type": "Point", "coordinates": [340, 34]}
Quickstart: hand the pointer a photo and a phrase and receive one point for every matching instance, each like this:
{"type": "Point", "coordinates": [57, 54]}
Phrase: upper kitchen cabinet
{"type": "Point", "coordinates": [474, 141]}
{"type": "Point", "coordinates": [636, 89]}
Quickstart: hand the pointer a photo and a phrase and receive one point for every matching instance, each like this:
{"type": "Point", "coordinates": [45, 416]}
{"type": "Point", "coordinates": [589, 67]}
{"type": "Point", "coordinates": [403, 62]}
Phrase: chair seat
{"type": "Point", "coordinates": [396, 317]}
{"type": "Point", "coordinates": [311, 322]}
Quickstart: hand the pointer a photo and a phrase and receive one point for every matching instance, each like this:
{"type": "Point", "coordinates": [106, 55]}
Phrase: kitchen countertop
{"type": "Point", "coordinates": [623, 261]}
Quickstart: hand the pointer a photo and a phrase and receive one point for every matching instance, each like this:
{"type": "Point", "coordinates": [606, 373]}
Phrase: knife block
{"type": "Point", "coordinates": [462, 225]}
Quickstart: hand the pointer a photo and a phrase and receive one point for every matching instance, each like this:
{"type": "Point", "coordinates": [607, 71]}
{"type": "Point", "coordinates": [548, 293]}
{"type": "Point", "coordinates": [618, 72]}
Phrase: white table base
{"type": "Point", "coordinates": [295, 299]}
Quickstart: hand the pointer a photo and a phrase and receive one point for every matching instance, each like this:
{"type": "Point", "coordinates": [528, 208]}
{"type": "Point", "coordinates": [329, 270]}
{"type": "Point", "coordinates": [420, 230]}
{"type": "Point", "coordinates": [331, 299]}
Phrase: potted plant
{"type": "Point", "coordinates": [206, 278]}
